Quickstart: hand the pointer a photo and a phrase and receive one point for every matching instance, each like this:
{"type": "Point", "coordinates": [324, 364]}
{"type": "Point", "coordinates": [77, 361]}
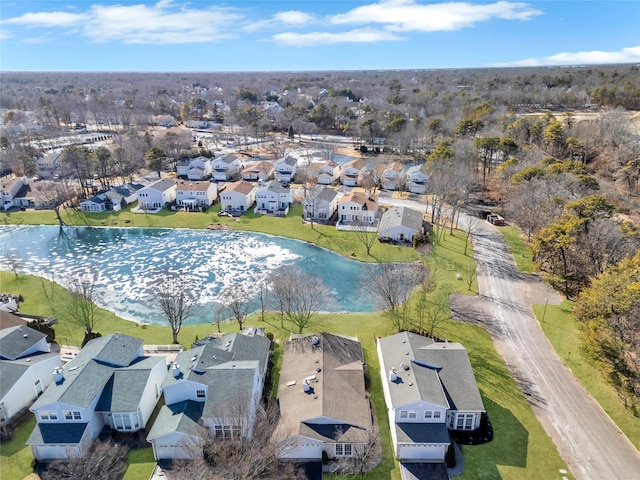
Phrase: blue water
{"type": "Point", "coordinates": [128, 262]}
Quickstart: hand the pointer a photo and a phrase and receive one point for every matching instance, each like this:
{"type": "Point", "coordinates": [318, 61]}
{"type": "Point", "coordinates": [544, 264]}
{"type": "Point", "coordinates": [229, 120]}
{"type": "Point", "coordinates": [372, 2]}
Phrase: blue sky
{"type": "Point", "coordinates": [266, 35]}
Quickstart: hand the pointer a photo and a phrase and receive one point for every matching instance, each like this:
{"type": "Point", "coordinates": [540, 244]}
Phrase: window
{"type": "Point", "coordinates": [464, 421]}
{"type": "Point", "coordinates": [48, 415]}
{"type": "Point", "coordinates": [403, 414]}
{"type": "Point", "coordinates": [428, 414]}
{"type": "Point", "coordinates": [436, 414]}
{"type": "Point", "coordinates": [68, 416]}
{"type": "Point", "coordinates": [200, 393]}
{"type": "Point", "coordinates": [413, 414]}
{"type": "Point", "coordinates": [344, 450]}
{"type": "Point", "coordinates": [218, 431]}
{"type": "Point", "coordinates": [77, 416]}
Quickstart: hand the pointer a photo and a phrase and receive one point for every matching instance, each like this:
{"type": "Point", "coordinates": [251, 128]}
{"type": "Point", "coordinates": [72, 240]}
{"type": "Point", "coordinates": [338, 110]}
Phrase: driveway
{"type": "Point", "coordinates": [589, 442]}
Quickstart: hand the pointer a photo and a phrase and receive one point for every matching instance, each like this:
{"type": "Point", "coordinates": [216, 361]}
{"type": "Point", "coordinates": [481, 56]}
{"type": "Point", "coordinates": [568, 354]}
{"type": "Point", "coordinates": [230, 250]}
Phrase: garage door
{"type": "Point", "coordinates": [425, 453]}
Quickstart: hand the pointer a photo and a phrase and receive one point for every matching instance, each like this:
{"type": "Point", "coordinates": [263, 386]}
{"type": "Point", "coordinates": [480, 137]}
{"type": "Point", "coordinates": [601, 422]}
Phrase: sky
{"type": "Point", "coordinates": [307, 35]}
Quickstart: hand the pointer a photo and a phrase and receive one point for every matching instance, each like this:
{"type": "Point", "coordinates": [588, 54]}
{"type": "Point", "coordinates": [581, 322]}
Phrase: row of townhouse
{"type": "Point", "coordinates": [24, 192]}
{"type": "Point", "coordinates": [213, 390]}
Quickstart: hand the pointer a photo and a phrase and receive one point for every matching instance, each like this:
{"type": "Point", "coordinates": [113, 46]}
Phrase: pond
{"type": "Point", "coordinates": [128, 262]}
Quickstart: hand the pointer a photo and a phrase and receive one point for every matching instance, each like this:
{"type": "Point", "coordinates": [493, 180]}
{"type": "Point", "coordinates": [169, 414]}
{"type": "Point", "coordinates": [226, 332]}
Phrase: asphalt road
{"type": "Point", "coordinates": [589, 442]}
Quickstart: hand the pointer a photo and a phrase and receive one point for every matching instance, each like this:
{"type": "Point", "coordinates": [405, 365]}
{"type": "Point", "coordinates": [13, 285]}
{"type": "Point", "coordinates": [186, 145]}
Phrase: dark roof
{"type": "Point", "coordinates": [117, 349]}
{"type": "Point", "coordinates": [162, 185]}
{"type": "Point", "coordinates": [12, 370]}
{"type": "Point", "coordinates": [67, 433]}
{"type": "Point", "coordinates": [15, 341]}
{"type": "Point", "coordinates": [10, 320]}
{"type": "Point", "coordinates": [180, 417]}
{"type": "Point", "coordinates": [401, 216]}
{"type": "Point", "coordinates": [422, 433]}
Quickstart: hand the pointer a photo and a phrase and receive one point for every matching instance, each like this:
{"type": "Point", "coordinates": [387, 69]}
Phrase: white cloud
{"type": "Point", "coordinates": [364, 35]}
{"type": "Point", "coordinates": [408, 15]}
{"type": "Point", "coordinates": [290, 18]}
{"type": "Point", "coordinates": [48, 19]}
{"type": "Point", "coordinates": [163, 23]}
{"type": "Point", "coordinates": [625, 55]}
{"type": "Point", "coordinates": [37, 40]}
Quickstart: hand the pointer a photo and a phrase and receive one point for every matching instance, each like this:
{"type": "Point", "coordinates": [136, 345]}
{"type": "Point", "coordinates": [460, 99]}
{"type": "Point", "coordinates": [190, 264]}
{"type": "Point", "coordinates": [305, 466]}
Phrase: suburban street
{"type": "Point", "coordinates": [590, 443]}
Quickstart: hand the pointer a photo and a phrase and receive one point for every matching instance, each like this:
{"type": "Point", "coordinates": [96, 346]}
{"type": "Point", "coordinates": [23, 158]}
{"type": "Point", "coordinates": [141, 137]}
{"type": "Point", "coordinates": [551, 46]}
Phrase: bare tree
{"type": "Point", "coordinates": [235, 299]}
{"type": "Point", "coordinates": [299, 296]}
{"type": "Point", "coordinates": [174, 298]}
{"type": "Point", "coordinates": [366, 235]}
{"type": "Point", "coordinates": [105, 461]}
{"type": "Point", "coordinates": [366, 454]}
{"type": "Point", "coordinates": [80, 304]}
{"type": "Point", "coordinates": [391, 285]}
{"type": "Point", "coordinates": [471, 227]}
{"type": "Point", "coordinates": [14, 262]}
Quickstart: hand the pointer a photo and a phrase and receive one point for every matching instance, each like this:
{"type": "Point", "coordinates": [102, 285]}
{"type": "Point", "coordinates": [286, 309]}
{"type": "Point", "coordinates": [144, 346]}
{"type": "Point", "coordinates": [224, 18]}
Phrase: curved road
{"type": "Point", "coordinates": [589, 442]}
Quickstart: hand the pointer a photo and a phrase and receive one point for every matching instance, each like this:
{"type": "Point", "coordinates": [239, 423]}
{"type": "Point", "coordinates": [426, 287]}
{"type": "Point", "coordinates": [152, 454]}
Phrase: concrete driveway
{"type": "Point", "coordinates": [590, 443]}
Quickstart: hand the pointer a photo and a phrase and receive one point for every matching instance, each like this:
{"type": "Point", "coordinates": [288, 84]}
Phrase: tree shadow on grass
{"type": "Point", "coordinates": [509, 446]}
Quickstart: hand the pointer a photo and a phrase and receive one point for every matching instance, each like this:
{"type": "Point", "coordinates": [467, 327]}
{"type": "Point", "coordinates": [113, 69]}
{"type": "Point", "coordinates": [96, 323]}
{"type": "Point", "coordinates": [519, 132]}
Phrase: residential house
{"type": "Point", "coordinates": [95, 204]}
{"type": "Point", "coordinates": [392, 177]}
{"type": "Point", "coordinates": [215, 386]}
{"type": "Point", "coordinates": [157, 195]}
{"type": "Point", "coordinates": [43, 194]}
{"type": "Point", "coordinates": [10, 185]}
{"type": "Point", "coordinates": [324, 406]}
{"type": "Point", "coordinates": [325, 173]}
{"type": "Point", "coordinates": [258, 172]}
{"type": "Point", "coordinates": [26, 363]}
{"type": "Point", "coordinates": [162, 120]}
{"type": "Point", "coordinates": [226, 168]}
{"type": "Point", "coordinates": [199, 168]}
{"type": "Point", "coordinates": [273, 199]}
{"type": "Point", "coordinates": [429, 389]}
{"type": "Point", "coordinates": [272, 109]}
{"type": "Point", "coordinates": [400, 224]}
{"type": "Point", "coordinates": [358, 208]}
{"type": "Point", "coordinates": [320, 203]}
{"type": "Point", "coordinates": [238, 197]}
{"type": "Point", "coordinates": [109, 383]}
{"type": "Point", "coordinates": [196, 195]}
{"type": "Point", "coordinates": [353, 172]}
{"type": "Point", "coordinates": [286, 169]}
{"type": "Point", "coordinates": [123, 195]}
{"type": "Point", "coordinates": [48, 163]}
{"type": "Point", "coordinates": [417, 179]}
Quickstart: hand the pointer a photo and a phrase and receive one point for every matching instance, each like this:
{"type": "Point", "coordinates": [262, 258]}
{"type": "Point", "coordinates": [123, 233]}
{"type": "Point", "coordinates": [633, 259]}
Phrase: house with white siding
{"type": "Point", "coordinates": [199, 168]}
{"type": "Point", "coordinates": [273, 199]}
{"type": "Point", "coordinates": [123, 195]}
{"type": "Point", "coordinates": [320, 203]}
{"type": "Point", "coordinates": [325, 173]}
{"type": "Point", "coordinates": [429, 389]}
{"type": "Point", "coordinates": [10, 185]}
{"type": "Point", "coordinates": [358, 208]}
{"type": "Point", "coordinates": [238, 197]}
{"type": "Point", "coordinates": [323, 402]}
{"type": "Point", "coordinates": [258, 172]}
{"type": "Point", "coordinates": [109, 383]}
{"type": "Point", "coordinates": [26, 366]}
{"type": "Point", "coordinates": [392, 177]}
{"type": "Point", "coordinates": [94, 204]}
{"type": "Point", "coordinates": [286, 168]}
{"type": "Point", "coordinates": [193, 196]}
{"type": "Point", "coordinates": [417, 179]}
{"type": "Point", "coordinates": [212, 389]}
{"type": "Point", "coordinates": [48, 163]}
{"type": "Point", "coordinates": [400, 225]}
{"type": "Point", "coordinates": [226, 168]}
{"type": "Point", "coordinates": [157, 195]}
{"type": "Point", "coordinates": [353, 171]}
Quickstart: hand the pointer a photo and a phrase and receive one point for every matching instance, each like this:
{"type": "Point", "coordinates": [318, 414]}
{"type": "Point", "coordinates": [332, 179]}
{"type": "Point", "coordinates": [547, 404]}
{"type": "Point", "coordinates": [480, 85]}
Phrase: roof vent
{"type": "Point", "coordinates": [175, 370]}
{"type": "Point", "coordinates": [58, 375]}
{"type": "Point", "coordinates": [306, 388]}
{"type": "Point", "coordinates": [25, 336]}
{"type": "Point", "coordinates": [393, 376]}
{"type": "Point", "coordinates": [315, 340]}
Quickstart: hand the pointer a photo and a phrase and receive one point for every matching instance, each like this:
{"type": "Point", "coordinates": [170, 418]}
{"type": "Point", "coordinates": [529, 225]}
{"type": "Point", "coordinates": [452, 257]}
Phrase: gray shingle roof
{"type": "Point", "coordinates": [435, 372]}
{"type": "Point", "coordinates": [422, 433]}
{"type": "Point", "coordinates": [12, 370]}
{"type": "Point", "coordinates": [68, 433]}
{"type": "Point", "coordinates": [162, 185]}
{"type": "Point", "coordinates": [14, 341]}
{"type": "Point", "coordinates": [180, 417]}
{"type": "Point", "coordinates": [401, 216]}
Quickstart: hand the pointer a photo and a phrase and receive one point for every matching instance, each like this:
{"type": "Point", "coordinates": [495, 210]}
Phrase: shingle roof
{"type": "Point", "coordinates": [401, 216]}
{"type": "Point", "coordinates": [57, 433]}
{"type": "Point", "coordinates": [435, 372]}
{"type": "Point", "coordinates": [422, 433]}
{"type": "Point", "coordinates": [12, 370]}
{"type": "Point", "coordinates": [180, 417]}
{"type": "Point", "coordinates": [334, 370]}
{"type": "Point", "coordinates": [241, 187]}
{"type": "Point", "coordinates": [193, 186]}
{"type": "Point", "coordinates": [14, 341]}
{"type": "Point", "coordinates": [162, 185]}
{"type": "Point", "coordinates": [366, 201]}
{"type": "Point", "coordinates": [227, 158]}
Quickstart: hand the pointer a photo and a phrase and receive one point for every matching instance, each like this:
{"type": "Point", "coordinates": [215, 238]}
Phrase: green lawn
{"type": "Point", "coordinates": [15, 456]}
{"type": "Point", "coordinates": [519, 248]}
{"type": "Point", "coordinates": [520, 450]}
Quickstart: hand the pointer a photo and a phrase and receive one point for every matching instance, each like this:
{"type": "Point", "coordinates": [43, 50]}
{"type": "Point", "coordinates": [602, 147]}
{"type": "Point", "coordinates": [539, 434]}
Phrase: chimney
{"type": "Point", "coordinates": [306, 388]}
{"type": "Point", "coordinates": [392, 375]}
{"type": "Point", "coordinates": [176, 370]}
{"type": "Point", "coordinates": [58, 375]}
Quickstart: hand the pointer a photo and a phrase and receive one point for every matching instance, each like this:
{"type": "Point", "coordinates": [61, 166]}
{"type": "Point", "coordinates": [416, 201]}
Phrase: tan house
{"type": "Point", "coordinates": [238, 197]}
{"type": "Point", "coordinates": [194, 196]}
{"type": "Point", "coordinates": [358, 208]}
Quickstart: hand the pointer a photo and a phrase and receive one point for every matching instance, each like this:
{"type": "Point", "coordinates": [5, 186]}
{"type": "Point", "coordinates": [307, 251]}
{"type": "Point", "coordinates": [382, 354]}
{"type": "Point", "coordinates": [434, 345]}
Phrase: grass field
{"type": "Point", "coordinates": [520, 450]}
{"type": "Point", "coordinates": [519, 248]}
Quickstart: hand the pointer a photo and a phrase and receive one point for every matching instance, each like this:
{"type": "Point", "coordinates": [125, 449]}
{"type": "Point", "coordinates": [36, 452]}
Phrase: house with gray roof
{"type": "Point", "coordinates": [94, 204]}
{"type": "Point", "coordinates": [157, 195]}
{"type": "Point", "coordinates": [324, 406]}
{"type": "Point", "coordinates": [214, 387]}
{"type": "Point", "coordinates": [430, 389]}
{"type": "Point", "coordinates": [285, 169]}
{"type": "Point", "coordinates": [123, 195]}
{"type": "Point", "coordinates": [417, 179]}
{"type": "Point", "coordinates": [110, 383]}
{"type": "Point", "coordinates": [400, 225]}
{"type": "Point", "coordinates": [273, 199]}
{"type": "Point", "coordinates": [226, 168]}
{"type": "Point", "coordinates": [320, 203]}
{"type": "Point", "coordinates": [26, 364]}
